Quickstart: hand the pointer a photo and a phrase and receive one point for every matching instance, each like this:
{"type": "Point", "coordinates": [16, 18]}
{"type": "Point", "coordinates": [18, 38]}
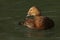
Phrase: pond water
{"type": "Point", "coordinates": [13, 11]}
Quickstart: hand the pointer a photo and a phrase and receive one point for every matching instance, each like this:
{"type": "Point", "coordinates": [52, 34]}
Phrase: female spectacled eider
{"type": "Point", "coordinates": [38, 22]}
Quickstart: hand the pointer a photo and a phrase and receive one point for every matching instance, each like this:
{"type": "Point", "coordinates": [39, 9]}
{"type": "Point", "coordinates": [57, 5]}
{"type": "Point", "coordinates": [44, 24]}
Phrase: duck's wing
{"type": "Point", "coordinates": [49, 23]}
{"type": "Point", "coordinates": [43, 22]}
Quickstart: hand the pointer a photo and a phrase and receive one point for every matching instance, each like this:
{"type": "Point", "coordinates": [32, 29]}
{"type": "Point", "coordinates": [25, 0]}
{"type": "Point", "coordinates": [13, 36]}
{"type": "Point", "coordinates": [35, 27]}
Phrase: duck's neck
{"type": "Point", "coordinates": [37, 15]}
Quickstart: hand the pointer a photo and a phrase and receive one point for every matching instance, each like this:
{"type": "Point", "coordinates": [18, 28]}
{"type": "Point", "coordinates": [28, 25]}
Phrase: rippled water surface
{"type": "Point", "coordinates": [13, 11]}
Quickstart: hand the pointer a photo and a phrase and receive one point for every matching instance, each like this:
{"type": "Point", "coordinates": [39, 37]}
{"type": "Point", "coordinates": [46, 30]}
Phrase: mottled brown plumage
{"type": "Point", "coordinates": [38, 21]}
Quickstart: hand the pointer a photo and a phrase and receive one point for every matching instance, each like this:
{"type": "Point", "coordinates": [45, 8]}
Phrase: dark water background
{"type": "Point", "coordinates": [13, 11]}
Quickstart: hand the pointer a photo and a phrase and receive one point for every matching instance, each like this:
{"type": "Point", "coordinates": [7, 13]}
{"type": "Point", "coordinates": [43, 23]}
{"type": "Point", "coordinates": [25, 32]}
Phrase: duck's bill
{"type": "Point", "coordinates": [27, 15]}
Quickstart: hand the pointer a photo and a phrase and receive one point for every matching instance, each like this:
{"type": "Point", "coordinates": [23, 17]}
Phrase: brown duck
{"type": "Point", "coordinates": [38, 22]}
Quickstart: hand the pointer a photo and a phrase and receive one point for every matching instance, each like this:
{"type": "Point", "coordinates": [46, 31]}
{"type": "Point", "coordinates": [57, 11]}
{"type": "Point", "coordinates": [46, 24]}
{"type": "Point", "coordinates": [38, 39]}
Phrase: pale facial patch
{"type": "Point", "coordinates": [33, 11]}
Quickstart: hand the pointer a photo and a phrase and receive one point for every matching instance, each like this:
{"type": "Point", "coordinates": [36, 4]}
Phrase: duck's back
{"type": "Point", "coordinates": [42, 22]}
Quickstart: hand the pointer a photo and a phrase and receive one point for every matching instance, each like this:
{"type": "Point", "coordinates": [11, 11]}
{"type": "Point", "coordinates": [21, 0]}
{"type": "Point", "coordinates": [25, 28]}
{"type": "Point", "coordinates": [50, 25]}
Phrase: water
{"type": "Point", "coordinates": [13, 11]}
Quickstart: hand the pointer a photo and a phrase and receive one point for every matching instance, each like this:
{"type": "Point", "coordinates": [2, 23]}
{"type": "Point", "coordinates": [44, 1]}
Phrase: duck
{"type": "Point", "coordinates": [38, 22]}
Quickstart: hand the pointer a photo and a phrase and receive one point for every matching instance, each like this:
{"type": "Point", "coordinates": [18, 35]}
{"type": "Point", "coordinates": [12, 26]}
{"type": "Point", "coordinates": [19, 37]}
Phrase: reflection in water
{"type": "Point", "coordinates": [18, 34]}
{"type": "Point", "coordinates": [26, 32]}
{"type": "Point", "coordinates": [39, 34]}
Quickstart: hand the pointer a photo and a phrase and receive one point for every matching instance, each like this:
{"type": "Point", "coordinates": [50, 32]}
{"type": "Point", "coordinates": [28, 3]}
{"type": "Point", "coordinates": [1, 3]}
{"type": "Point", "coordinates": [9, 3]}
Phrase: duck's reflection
{"type": "Point", "coordinates": [39, 34]}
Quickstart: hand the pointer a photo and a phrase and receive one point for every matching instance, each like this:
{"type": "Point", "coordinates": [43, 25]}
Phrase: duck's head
{"type": "Point", "coordinates": [33, 11]}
